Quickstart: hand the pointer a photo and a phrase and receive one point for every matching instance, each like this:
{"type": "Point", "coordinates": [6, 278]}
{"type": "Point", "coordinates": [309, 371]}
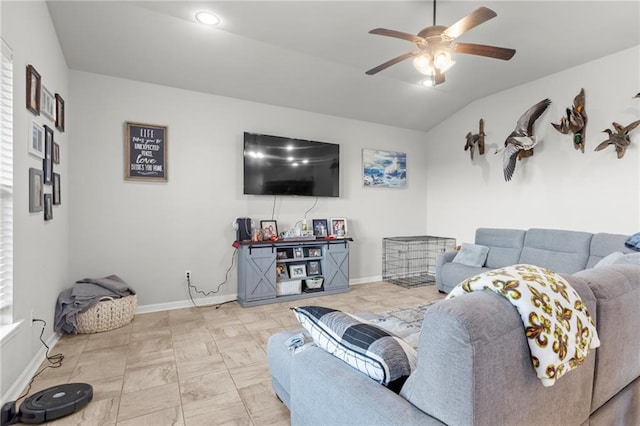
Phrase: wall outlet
{"type": "Point", "coordinates": [187, 274]}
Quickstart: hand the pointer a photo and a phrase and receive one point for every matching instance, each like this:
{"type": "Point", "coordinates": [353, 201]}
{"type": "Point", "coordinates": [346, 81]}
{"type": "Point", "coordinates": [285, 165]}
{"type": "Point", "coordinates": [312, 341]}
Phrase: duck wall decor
{"type": "Point", "coordinates": [575, 122]}
{"type": "Point", "coordinates": [520, 142]}
{"type": "Point", "coordinates": [620, 139]}
{"type": "Point", "coordinates": [475, 139]}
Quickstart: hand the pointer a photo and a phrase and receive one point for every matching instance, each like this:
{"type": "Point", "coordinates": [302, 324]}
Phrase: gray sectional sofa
{"type": "Point", "coordinates": [559, 250]}
{"type": "Point", "coordinates": [474, 364]}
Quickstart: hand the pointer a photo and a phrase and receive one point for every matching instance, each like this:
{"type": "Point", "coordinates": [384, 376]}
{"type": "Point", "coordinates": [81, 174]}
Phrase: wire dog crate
{"type": "Point", "coordinates": [411, 261]}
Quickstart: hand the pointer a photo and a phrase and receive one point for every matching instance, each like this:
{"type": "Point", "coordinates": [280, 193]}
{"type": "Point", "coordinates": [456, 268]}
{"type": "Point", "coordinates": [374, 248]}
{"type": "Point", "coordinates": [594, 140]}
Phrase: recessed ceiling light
{"type": "Point", "coordinates": [207, 18]}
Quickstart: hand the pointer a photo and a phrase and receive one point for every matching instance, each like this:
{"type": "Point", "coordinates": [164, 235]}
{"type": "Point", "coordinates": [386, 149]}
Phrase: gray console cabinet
{"type": "Point", "coordinates": [258, 282]}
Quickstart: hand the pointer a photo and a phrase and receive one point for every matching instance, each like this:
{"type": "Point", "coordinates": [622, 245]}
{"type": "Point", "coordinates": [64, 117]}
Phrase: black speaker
{"type": "Point", "coordinates": [243, 230]}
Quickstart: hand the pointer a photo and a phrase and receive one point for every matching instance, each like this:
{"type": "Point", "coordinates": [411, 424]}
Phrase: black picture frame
{"type": "Point", "coordinates": [269, 228]}
{"type": "Point", "coordinates": [56, 190]}
{"type": "Point", "coordinates": [314, 252]}
{"type": "Point", "coordinates": [314, 268]}
{"type": "Point", "coordinates": [47, 162]}
{"type": "Point", "coordinates": [34, 88]}
{"type": "Point", "coordinates": [146, 150]}
{"type": "Point", "coordinates": [320, 227]}
{"type": "Point", "coordinates": [59, 112]}
{"type": "Point", "coordinates": [48, 207]}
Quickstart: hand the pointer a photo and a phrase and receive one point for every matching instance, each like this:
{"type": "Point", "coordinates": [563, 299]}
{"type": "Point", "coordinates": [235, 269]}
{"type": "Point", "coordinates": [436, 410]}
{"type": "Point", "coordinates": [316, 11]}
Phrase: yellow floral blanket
{"type": "Point", "coordinates": [559, 330]}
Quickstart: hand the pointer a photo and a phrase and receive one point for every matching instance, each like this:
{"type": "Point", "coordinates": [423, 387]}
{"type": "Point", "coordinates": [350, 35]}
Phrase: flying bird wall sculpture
{"type": "Point", "coordinates": [520, 142]}
{"type": "Point", "coordinates": [475, 139]}
{"type": "Point", "coordinates": [575, 122]}
{"type": "Point", "coordinates": [619, 138]}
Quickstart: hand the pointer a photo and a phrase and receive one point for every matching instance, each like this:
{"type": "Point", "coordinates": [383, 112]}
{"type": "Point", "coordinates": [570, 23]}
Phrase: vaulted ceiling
{"type": "Point", "coordinates": [312, 55]}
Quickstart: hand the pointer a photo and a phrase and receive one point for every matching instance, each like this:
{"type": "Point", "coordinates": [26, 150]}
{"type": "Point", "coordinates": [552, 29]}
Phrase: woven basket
{"type": "Point", "coordinates": [107, 314]}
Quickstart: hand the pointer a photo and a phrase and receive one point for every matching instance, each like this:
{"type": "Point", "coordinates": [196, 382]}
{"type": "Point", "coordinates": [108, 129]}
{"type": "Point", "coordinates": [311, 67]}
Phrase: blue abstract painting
{"type": "Point", "coordinates": [384, 168]}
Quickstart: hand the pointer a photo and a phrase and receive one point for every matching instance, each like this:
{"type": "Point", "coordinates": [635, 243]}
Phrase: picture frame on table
{"type": "Point", "coordinates": [281, 272]}
{"type": "Point", "coordinates": [59, 113]}
{"type": "Point", "coordinates": [36, 140]}
{"type": "Point", "coordinates": [297, 270]}
{"type": "Point", "coordinates": [314, 268]}
{"type": "Point", "coordinates": [315, 252]}
{"type": "Point", "coordinates": [56, 153]}
{"type": "Point", "coordinates": [269, 228]}
{"type": "Point", "coordinates": [36, 191]}
{"type": "Point", "coordinates": [48, 207]}
{"type": "Point", "coordinates": [339, 227]}
{"type": "Point", "coordinates": [56, 189]}
{"type": "Point", "coordinates": [47, 104]}
{"type": "Point", "coordinates": [320, 227]}
{"type": "Point", "coordinates": [34, 87]}
{"type": "Point", "coordinates": [47, 162]}
{"type": "Point", "coordinates": [298, 253]}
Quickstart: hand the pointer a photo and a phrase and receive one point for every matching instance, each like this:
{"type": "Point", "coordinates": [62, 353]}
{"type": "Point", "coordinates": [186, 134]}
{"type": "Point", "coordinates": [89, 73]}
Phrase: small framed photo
{"type": "Point", "coordinates": [48, 207]}
{"type": "Point", "coordinates": [34, 87]}
{"type": "Point", "coordinates": [320, 227]}
{"type": "Point", "coordinates": [281, 272]}
{"type": "Point", "coordinates": [47, 104]}
{"type": "Point", "coordinates": [56, 189]}
{"type": "Point", "coordinates": [269, 228]}
{"type": "Point", "coordinates": [314, 268]}
{"type": "Point", "coordinates": [339, 227]}
{"type": "Point", "coordinates": [298, 270]}
{"type": "Point", "coordinates": [36, 190]}
{"type": "Point", "coordinates": [59, 113]}
{"type": "Point", "coordinates": [298, 253]}
{"type": "Point", "coordinates": [56, 153]}
{"type": "Point", "coordinates": [47, 162]}
{"type": "Point", "coordinates": [281, 254]}
{"type": "Point", "coordinates": [315, 252]}
{"type": "Point", "coordinates": [36, 140]}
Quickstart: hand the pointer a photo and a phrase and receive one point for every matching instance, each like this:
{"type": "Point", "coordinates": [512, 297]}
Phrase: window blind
{"type": "Point", "coordinates": [6, 185]}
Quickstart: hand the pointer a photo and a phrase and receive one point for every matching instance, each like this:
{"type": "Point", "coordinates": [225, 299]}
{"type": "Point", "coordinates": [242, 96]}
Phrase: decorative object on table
{"type": "Point", "coordinates": [146, 151]}
{"type": "Point", "coordinates": [339, 227]}
{"type": "Point", "coordinates": [620, 139]}
{"type": "Point", "coordinates": [434, 45]}
{"type": "Point", "coordinates": [36, 203]}
{"type": "Point", "coordinates": [281, 272]}
{"type": "Point", "coordinates": [47, 104]}
{"type": "Point", "coordinates": [520, 142]}
{"type": "Point", "coordinates": [385, 169]}
{"type": "Point", "coordinates": [298, 253]}
{"type": "Point", "coordinates": [56, 189]}
{"type": "Point", "coordinates": [56, 153]}
{"type": "Point", "coordinates": [33, 90]}
{"type": "Point", "coordinates": [47, 162]}
{"type": "Point", "coordinates": [59, 113]}
{"type": "Point", "coordinates": [298, 270]}
{"type": "Point", "coordinates": [320, 227]}
{"type": "Point", "coordinates": [36, 140]}
{"type": "Point", "coordinates": [575, 121]}
{"type": "Point", "coordinates": [313, 267]}
{"type": "Point", "coordinates": [269, 228]}
{"type": "Point", "coordinates": [476, 139]}
{"type": "Point", "coordinates": [48, 207]}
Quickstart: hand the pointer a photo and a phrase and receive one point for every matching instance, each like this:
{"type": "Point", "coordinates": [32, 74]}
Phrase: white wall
{"type": "Point", "coordinates": [150, 233]}
{"type": "Point", "coordinates": [40, 248]}
{"type": "Point", "coordinates": [558, 187]}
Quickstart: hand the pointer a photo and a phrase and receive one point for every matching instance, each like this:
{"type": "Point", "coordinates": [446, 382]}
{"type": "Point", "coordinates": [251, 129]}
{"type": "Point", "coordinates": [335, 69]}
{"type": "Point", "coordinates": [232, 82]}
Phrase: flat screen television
{"type": "Point", "coordinates": [274, 165]}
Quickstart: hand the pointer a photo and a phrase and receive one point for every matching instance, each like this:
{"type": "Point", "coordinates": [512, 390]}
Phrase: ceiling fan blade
{"type": "Point", "coordinates": [397, 34]}
{"type": "Point", "coordinates": [475, 18]}
{"type": "Point", "coordinates": [438, 77]}
{"type": "Point", "coordinates": [390, 62]}
{"type": "Point", "coordinates": [484, 50]}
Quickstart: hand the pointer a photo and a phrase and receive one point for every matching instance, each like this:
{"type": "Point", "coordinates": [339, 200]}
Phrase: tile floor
{"type": "Point", "coordinates": [197, 366]}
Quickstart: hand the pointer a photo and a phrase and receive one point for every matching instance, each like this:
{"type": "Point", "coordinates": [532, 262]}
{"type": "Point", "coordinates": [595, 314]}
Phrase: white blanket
{"type": "Point", "coordinates": [559, 330]}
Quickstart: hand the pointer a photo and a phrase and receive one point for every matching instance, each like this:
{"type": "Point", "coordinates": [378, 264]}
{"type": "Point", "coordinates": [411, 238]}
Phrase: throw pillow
{"type": "Point", "coordinates": [373, 351]}
{"type": "Point", "coordinates": [631, 258]}
{"type": "Point", "coordinates": [633, 242]}
{"type": "Point", "coordinates": [609, 259]}
{"type": "Point", "coordinates": [472, 255]}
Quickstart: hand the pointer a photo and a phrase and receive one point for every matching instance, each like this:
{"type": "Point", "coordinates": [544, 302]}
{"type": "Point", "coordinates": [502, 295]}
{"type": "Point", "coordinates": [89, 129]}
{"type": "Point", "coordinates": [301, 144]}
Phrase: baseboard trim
{"type": "Point", "coordinates": [365, 280]}
{"type": "Point", "coordinates": [200, 302]}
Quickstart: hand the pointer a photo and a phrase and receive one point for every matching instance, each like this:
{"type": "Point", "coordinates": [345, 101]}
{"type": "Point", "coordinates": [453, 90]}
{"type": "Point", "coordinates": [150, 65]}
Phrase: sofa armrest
{"type": "Point", "coordinates": [326, 390]}
{"type": "Point", "coordinates": [441, 259]}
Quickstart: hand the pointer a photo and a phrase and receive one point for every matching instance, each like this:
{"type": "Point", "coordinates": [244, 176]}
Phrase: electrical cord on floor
{"type": "Point", "coordinates": [210, 292]}
{"type": "Point", "coordinates": [54, 360]}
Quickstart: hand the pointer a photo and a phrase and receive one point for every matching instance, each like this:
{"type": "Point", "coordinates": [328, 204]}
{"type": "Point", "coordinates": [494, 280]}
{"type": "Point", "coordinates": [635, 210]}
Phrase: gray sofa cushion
{"type": "Point", "coordinates": [454, 273]}
{"type": "Point", "coordinates": [603, 244]}
{"type": "Point", "coordinates": [472, 255]}
{"type": "Point", "coordinates": [558, 250]}
{"type": "Point", "coordinates": [505, 245]}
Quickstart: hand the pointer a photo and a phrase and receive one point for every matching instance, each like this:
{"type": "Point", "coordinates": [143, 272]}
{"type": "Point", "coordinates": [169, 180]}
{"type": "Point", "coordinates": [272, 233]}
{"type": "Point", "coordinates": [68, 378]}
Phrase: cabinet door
{"type": "Point", "coordinates": [258, 279]}
{"type": "Point", "coordinates": [336, 264]}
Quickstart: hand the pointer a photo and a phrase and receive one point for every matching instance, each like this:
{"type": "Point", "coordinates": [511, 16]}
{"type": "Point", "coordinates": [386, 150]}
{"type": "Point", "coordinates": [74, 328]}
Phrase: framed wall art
{"type": "Point", "coordinates": [36, 140]}
{"type": "Point", "coordinates": [145, 150]}
{"type": "Point", "coordinates": [386, 169]}
{"type": "Point", "coordinates": [56, 189]}
{"type": "Point", "coordinates": [56, 153]}
{"type": "Point", "coordinates": [36, 190]}
{"type": "Point", "coordinates": [47, 104]}
{"type": "Point", "coordinates": [47, 162]}
{"type": "Point", "coordinates": [33, 90]}
{"type": "Point", "coordinates": [48, 207]}
{"type": "Point", "coordinates": [339, 227]}
{"type": "Point", "coordinates": [59, 113]}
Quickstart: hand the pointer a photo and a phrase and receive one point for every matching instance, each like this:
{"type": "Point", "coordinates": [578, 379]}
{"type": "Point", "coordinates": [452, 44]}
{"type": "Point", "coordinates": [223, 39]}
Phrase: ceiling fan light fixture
{"type": "Point", "coordinates": [423, 64]}
{"type": "Point", "coordinates": [207, 18]}
{"type": "Point", "coordinates": [442, 60]}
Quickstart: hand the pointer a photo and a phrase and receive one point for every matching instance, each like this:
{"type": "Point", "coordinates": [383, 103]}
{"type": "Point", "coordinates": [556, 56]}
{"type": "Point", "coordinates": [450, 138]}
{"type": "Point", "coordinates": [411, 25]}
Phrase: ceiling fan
{"type": "Point", "coordinates": [435, 44]}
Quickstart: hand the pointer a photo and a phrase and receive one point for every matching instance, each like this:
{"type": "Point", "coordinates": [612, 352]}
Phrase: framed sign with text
{"type": "Point", "coordinates": [145, 151]}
